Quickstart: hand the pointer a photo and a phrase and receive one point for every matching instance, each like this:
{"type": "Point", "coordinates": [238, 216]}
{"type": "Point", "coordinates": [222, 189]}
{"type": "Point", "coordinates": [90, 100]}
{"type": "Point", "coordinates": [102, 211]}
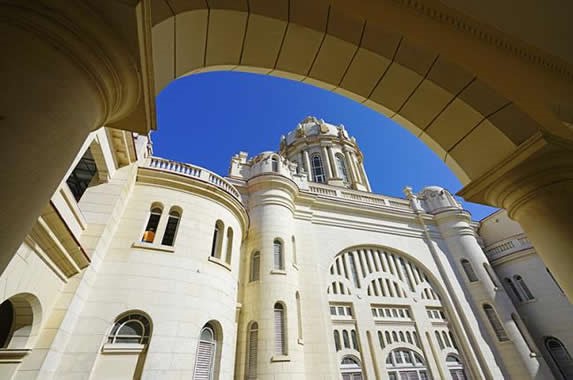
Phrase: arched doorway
{"type": "Point", "coordinates": [403, 363]}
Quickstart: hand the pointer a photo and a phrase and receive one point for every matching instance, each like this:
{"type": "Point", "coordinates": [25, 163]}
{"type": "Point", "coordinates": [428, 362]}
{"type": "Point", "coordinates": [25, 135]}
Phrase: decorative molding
{"type": "Point", "coordinates": [492, 37]}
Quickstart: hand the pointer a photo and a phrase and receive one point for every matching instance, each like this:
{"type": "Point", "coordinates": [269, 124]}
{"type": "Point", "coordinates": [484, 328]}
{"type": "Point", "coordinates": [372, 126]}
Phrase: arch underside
{"type": "Point", "coordinates": [468, 124]}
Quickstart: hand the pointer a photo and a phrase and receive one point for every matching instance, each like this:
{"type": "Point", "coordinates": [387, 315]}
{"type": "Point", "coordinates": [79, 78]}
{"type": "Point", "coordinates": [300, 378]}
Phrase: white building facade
{"type": "Point", "coordinates": [288, 268]}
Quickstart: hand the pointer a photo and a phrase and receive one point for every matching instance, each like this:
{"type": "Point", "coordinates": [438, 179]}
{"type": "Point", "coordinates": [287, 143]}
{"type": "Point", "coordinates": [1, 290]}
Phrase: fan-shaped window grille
{"type": "Point", "coordinates": [131, 328]}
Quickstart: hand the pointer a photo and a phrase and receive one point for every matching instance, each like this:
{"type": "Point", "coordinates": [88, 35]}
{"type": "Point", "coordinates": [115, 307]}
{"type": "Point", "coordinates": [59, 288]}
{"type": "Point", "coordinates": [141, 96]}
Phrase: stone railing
{"type": "Point", "coordinates": [359, 196]}
{"type": "Point", "coordinates": [507, 247]}
{"type": "Point", "coordinates": [192, 171]}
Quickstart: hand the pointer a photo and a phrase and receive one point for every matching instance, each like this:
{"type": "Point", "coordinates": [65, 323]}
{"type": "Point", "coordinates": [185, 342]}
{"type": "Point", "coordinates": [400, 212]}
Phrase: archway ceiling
{"type": "Point", "coordinates": [454, 111]}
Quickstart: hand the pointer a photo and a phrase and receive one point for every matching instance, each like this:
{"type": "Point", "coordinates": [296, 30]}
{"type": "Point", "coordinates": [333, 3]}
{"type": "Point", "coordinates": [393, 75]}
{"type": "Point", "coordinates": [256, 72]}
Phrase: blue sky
{"type": "Point", "coordinates": [206, 118]}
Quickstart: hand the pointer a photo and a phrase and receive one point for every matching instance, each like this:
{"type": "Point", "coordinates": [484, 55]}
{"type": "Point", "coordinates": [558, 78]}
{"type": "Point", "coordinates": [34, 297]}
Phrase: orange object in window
{"type": "Point", "coordinates": [148, 236]}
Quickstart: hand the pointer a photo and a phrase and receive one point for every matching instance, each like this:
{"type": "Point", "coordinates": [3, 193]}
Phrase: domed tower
{"type": "Point", "coordinates": [326, 153]}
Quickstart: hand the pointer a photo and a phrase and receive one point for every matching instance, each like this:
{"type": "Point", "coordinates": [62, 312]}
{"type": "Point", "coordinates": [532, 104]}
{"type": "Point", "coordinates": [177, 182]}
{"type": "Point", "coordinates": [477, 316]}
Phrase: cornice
{"type": "Point", "coordinates": [195, 186]}
{"type": "Point", "coordinates": [79, 34]}
{"type": "Point", "coordinates": [440, 13]}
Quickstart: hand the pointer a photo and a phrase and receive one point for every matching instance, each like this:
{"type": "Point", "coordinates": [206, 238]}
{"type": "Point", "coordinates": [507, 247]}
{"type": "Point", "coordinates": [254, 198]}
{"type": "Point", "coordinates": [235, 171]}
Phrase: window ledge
{"type": "Point", "coordinates": [152, 246]}
{"type": "Point", "coordinates": [533, 354]}
{"type": "Point", "coordinates": [122, 348]}
{"type": "Point", "coordinates": [300, 341]}
{"type": "Point", "coordinates": [13, 355]}
{"type": "Point", "coordinates": [528, 301]}
{"type": "Point", "coordinates": [279, 271]}
{"type": "Point", "coordinates": [280, 358]}
{"type": "Point", "coordinates": [220, 262]}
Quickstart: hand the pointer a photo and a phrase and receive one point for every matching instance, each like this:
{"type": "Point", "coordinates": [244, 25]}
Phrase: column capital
{"type": "Point", "coordinates": [538, 167]}
{"type": "Point", "coordinates": [113, 56]}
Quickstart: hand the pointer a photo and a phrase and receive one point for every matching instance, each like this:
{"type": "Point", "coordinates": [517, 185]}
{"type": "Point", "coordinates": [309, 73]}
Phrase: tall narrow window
{"type": "Point", "coordinates": [299, 315]}
{"type": "Point", "coordinates": [525, 290]}
{"type": "Point", "coordinates": [341, 165]}
{"type": "Point", "coordinates": [490, 274]}
{"type": "Point", "coordinates": [255, 266]}
{"type": "Point", "coordinates": [205, 358]}
{"type": "Point", "coordinates": [217, 239]}
{"type": "Point", "coordinates": [554, 280]}
{"type": "Point", "coordinates": [152, 223]}
{"type": "Point", "coordinates": [523, 333]}
{"type": "Point", "coordinates": [82, 175]}
{"type": "Point", "coordinates": [354, 340]}
{"type": "Point", "coordinates": [512, 290]}
{"type": "Point", "coordinates": [354, 271]}
{"type": "Point", "coordinates": [439, 339]}
{"type": "Point", "coordinates": [229, 245]}
{"type": "Point", "coordinates": [280, 333]}
{"type": "Point", "coordinates": [275, 164]}
{"type": "Point", "coordinates": [495, 323]}
{"type": "Point", "coordinates": [560, 356]}
{"type": "Point", "coordinates": [278, 254]}
{"type": "Point", "coordinates": [469, 270]}
{"type": "Point", "coordinates": [317, 169]}
{"type": "Point", "coordinates": [252, 347]}
{"type": "Point", "coordinates": [345, 339]}
{"type": "Point", "coordinates": [337, 340]}
{"type": "Point", "coordinates": [171, 228]}
{"type": "Point", "coordinates": [293, 242]}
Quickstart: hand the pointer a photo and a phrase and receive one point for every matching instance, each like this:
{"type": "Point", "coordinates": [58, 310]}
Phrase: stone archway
{"type": "Point", "coordinates": [482, 98]}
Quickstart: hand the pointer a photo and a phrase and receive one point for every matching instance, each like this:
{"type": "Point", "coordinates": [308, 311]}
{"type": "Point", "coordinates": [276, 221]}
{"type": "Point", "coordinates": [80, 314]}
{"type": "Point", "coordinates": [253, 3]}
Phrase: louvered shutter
{"type": "Point", "coordinates": [277, 247]}
{"type": "Point", "coordinates": [279, 332]}
{"type": "Point", "coordinates": [561, 357]}
{"type": "Point", "coordinates": [495, 323]}
{"type": "Point", "coordinates": [252, 369]}
{"type": "Point", "coordinates": [204, 361]}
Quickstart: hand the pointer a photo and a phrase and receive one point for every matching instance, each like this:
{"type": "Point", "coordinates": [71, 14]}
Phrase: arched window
{"type": "Point", "coordinates": [526, 292]}
{"type": "Point", "coordinates": [293, 242]}
{"type": "Point", "coordinates": [490, 274]}
{"type": "Point", "coordinates": [350, 368]}
{"type": "Point", "coordinates": [217, 243]}
{"type": "Point", "coordinates": [388, 338]}
{"type": "Point", "coordinates": [18, 315]}
{"type": "Point", "coordinates": [354, 340]}
{"type": "Point", "coordinates": [446, 339]}
{"type": "Point", "coordinates": [522, 332]}
{"type": "Point", "coordinates": [299, 315]}
{"type": "Point", "coordinates": [152, 223]}
{"type": "Point", "coordinates": [381, 339]}
{"type": "Point", "coordinates": [554, 280]}
{"type": "Point", "coordinates": [275, 164]}
{"type": "Point", "coordinates": [469, 270]}
{"type": "Point", "coordinates": [341, 165]}
{"type": "Point", "coordinates": [403, 363]}
{"type": "Point", "coordinates": [512, 290]}
{"type": "Point", "coordinates": [255, 266]}
{"type": "Point", "coordinates": [278, 254]}
{"type": "Point", "coordinates": [280, 329]}
{"type": "Point", "coordinates": [229, 245]}
{"type": "Point", "coordinates": [206, 353]}
{"type": "Point", "coordinates": [171, 228]}
{"type": "Point", "coordinates": [439, 339]}
{"type": "Point", "coordinates": [130, 328]}
{"type": "Point", "coordinates": [495, 323]}
{"type": "Point", "coordinates": [560, 356]}
{"type": "Point", "coordinates": [252, 348]}
{"type": "Point", "coordinates": [455, 367]}
{"type": "Point", "coordinates": [345, 339]}
{"type": "Point", "coordinates": [337, 340]}
{"type": "Point", "coordinates": [317, 169]}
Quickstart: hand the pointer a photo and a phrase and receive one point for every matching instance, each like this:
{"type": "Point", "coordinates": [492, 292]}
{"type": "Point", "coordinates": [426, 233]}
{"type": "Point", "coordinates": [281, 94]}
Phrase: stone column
{"type": "Point", "coordinates": [335, 172]}
{"type": "Point", "coordinates": [64, 73]}
{"type": "Point", "coordinates": [326, 162]}
{"type": "Point", "coordinates": [307, 164]}
{"type": "Point", "coordinates": [350, 168]}
{"type": "Point", "coordinates": [535, 186]}
{"type": "Point", "coordinates": [454, 224]}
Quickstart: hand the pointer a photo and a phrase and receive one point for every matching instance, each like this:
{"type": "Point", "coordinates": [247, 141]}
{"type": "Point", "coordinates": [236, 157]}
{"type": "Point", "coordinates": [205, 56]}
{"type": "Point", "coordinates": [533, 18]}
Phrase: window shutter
{"type": "Point", "coordinates": [252, 368]}
{"type": "Point", "coordinates": [204, 361]}
{"type": "Point", "coordinates": [495, 323]}
{"type": "Point", "coordinates": [561, 356]}
{"type": "Point", "coordinates": [255, 266]}
{"type": "Point", "coordinates": [469, 271]}
{"type": "Point", "coordinates": [277, 247]}
{"type": "Point", "coordinates": [279, 332]}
